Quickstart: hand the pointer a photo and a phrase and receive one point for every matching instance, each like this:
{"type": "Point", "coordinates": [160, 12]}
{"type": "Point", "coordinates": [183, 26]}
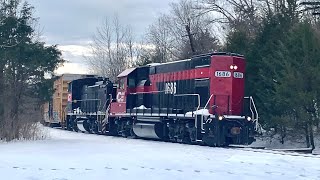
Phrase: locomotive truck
{"type": "Point", "coordinates": [198, 100]}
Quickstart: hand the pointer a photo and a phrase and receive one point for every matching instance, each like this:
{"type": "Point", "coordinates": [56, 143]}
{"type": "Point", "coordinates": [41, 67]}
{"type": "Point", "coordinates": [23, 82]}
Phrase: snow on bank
{"type": "Point", "coordinates": [68, 155]}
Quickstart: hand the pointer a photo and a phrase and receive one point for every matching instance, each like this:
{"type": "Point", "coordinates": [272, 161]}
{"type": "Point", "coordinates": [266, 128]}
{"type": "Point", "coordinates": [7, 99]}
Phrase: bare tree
{"type": "Point", "coordinates": [186, 21]}
{"type": "Point", "coordinates": [170, 36]}
{"type": "Point", "coordinates": [113, 49]}
{"type": "Point", "coordinates": [246, 15]}
{"type": "Point", "coordinates": [159, 37]}
{"type": "Point", "coordinates": [235, 14]}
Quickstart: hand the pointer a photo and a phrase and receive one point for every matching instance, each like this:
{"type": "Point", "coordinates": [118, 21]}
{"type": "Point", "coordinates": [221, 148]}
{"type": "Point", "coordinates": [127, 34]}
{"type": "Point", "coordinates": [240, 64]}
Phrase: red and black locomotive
{"type": "Point", "coordinates": [197, 100]}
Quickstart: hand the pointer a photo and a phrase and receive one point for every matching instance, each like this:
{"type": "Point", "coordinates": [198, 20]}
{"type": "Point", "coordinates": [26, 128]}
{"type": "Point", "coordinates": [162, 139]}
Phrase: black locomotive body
{"type": "Point", "coordinates": [88, 100]}
{"type": "Point", "coordinates": [197, 100]}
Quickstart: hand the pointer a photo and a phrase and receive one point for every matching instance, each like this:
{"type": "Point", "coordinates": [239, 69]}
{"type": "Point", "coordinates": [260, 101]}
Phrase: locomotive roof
{"type": "Point", "coordinates": [172, 66]}
{"type": "Point", "coordinates": [126, 72]}
{"type": "Point", "coordinates": [171, 62]}
{"type": "Point", "coordinates": [198, 56]}
{"type": "Point", "coordinates": [218, 54]}
{"type": "Point", "coordinates": [87, 77]}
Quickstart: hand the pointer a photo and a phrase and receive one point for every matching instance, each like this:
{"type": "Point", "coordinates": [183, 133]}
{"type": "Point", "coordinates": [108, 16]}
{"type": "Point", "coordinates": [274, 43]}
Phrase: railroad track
{"type": "Point", "coordinates": [302, 152]}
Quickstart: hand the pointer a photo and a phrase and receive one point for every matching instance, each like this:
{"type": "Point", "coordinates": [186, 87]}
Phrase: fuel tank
{"type": "Point", "coordinates": [149, 130]}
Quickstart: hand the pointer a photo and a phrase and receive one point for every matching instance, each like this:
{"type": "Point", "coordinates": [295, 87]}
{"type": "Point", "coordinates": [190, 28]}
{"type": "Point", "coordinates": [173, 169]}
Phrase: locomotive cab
{"type": "Point", "coordinates": [133, 92]}
{"type": "Point", "coordinates": [118, 106]}
{"type": "Point", "coordinates": [88, 102]}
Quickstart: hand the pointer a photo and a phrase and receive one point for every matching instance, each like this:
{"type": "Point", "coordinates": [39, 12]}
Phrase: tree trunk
{"type": "Point", "coordinates": [283, 134]}
{"type": "Point", "coordinates": [307, 136]}
{"type": "Point", "coordinates": [1, 90]}
{"type": "Point", "coordinates": [2, 105]}
{"type": "Point", "coordinates": [311, 137]}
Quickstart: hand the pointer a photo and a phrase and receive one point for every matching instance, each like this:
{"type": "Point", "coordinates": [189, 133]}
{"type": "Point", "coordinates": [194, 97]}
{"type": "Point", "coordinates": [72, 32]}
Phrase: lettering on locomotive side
{"type": "Point", "coordinates": [238, 75]}
{"type": "Point", "coordinates": [120, 96]}
{"type": "Point", "coordinates": [223, 74]}
{"type": "Point", "coordinates": [170, 88]}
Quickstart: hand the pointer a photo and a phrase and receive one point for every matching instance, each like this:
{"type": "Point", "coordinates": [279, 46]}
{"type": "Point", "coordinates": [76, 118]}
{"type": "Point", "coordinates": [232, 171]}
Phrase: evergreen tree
{"type": "Point", "coordinates": [267, 50]}
{"type": "Point", "coordinates": [282, 72]}
{"type": "Point", "coordinates": [239, 42]}
{"type": "Point", "coordinates": [296, 94]}
{"type": "Point", "coordinates": [23, 65]}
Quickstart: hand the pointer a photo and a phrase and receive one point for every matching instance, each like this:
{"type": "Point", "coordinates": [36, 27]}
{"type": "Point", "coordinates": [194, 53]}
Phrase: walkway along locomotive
{"type": "Point", "coordinates": [194, 100]}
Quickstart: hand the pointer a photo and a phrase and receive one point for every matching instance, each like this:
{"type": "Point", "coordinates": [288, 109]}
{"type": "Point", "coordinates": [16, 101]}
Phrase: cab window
{"type": "Point", "coordinates": [121, 83]}
{"type": "Point", "coordinates": [131, 82]}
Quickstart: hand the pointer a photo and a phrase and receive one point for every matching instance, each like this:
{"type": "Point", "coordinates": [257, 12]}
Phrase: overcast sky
{"type": "Point", "coordinates": [72, 23]}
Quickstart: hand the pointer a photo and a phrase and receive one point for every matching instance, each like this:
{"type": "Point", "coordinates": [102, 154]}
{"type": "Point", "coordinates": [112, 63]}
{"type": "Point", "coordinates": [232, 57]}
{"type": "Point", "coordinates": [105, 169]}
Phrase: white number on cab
{"type": "Point", "coordinates": [170, 88]}
{"type": "Point", "coordinates": [222, 74]}
{"type": "Point", "coordinates": [238, 75]}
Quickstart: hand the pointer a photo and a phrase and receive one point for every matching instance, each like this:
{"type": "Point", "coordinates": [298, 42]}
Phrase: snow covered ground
{"type": "Point", "coordinates": [69, 155]}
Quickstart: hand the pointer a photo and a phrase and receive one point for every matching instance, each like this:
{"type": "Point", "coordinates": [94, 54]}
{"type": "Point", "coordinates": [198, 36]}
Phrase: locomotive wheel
{"type": "Point", "coordinates": [174, 140]}
{"type": "Point", "coordinates": [93, 128]}
{"type": "Point", "coordinates": [185, 140]}
{"type": "Point", "coordinates": [132, 134]}
{"type": "Point", "coordinates": [69, 127]}
{"type": "Point", "coordinates": [75, 127]}
{"type": "Point", "coordinates": [209, 141]}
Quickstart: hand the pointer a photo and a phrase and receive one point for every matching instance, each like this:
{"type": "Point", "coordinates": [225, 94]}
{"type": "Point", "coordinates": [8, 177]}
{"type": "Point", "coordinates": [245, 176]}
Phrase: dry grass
{"type": "Point", "coordinates": [24, 124]}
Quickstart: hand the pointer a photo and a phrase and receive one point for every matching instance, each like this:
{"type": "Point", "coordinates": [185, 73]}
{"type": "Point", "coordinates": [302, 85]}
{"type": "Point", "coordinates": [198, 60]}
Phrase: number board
{"type": "Point", "coordinates": [223, 74]}
{"type": "Point", "coordinates": [238, 75]}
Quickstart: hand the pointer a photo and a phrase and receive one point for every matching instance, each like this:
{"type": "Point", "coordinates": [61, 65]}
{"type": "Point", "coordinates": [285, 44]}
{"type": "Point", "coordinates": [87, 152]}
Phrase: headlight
{"type": "Point", "coordinates": [249, 118]}
{"type": "Point", "coordinates": [231, 67]}
{"type": "Point", "coordinates": [235, 67]}
{"type": "Point", "coordinates": [220, 118]}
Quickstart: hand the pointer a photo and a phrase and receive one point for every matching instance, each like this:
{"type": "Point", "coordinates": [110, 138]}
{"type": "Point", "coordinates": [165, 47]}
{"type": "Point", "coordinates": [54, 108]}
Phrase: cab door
{"type": "Point", "coordinates": [202, 87]}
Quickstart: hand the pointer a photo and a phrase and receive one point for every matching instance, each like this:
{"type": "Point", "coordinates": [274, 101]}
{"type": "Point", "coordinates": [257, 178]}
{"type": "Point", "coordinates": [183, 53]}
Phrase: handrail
{"type": "Point", "coordinates": [191, 95]}
{"type": "Point", "coordinates": [255, 108]}
{"type": "Point", "coordinates": [250, 107]}
{"type": "Point", "coordinates": [75, 101]}
{"type": "Point", "coordinates": [257, 114]}
{"type": "Point", "coordinates": [107, 114]}
{"type": "Point", "coordinates": [205, 107]}
{"type": "Point", "coordinates": [105, 104]}
{"type": "Point", "coordinates": [148, 92]}
{"type": "Point", "coordinates": [208, 101]}
{"type": "Point", "coordinates": [198, 95]}
{"type": "Point", "coordinates": [106, 118]}
{"type": "Point", "coordinates": [254, 113]}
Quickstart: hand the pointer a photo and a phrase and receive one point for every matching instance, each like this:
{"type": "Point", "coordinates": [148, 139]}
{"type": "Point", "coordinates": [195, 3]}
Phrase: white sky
{"type": "Point", "coordinates": [72, 23]}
